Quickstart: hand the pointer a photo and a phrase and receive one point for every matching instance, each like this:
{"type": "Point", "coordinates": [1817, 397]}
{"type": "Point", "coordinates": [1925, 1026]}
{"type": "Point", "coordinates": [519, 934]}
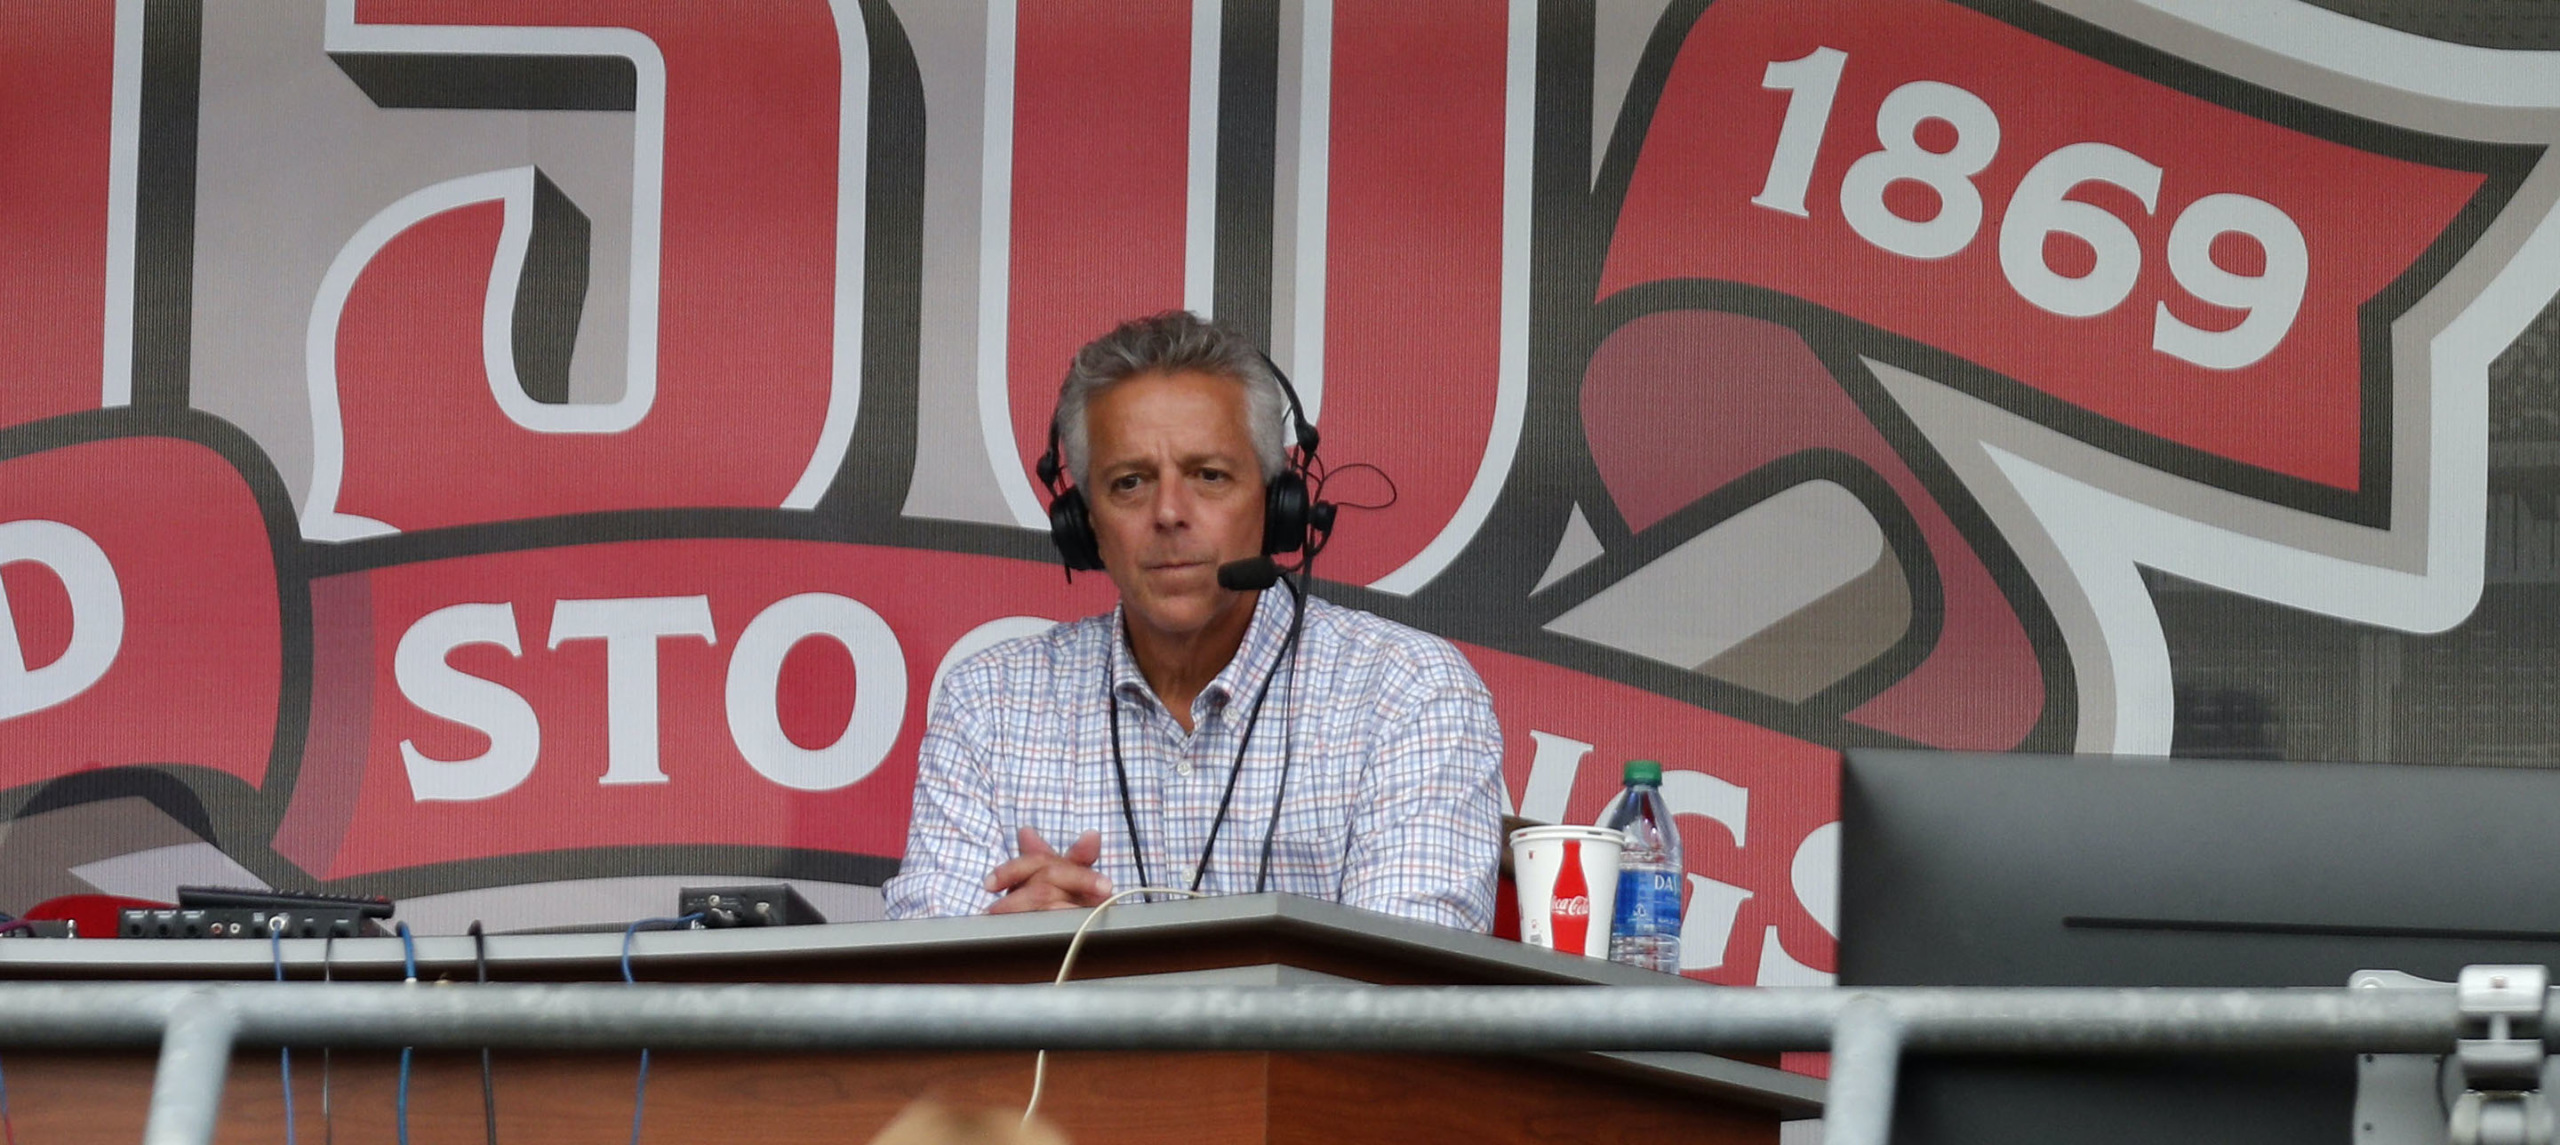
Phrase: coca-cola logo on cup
{"type": "Point", "coordinates": [1570, 905]}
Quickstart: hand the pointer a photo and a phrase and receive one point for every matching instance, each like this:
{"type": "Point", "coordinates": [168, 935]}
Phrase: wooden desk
{"type": "Point", "coordinates": [1096, 1097]}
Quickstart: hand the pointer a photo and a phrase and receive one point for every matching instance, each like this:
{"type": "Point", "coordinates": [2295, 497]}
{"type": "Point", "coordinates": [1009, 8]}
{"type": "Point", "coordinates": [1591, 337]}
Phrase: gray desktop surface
{"type": "Point", "coordinates": [1464, 955]}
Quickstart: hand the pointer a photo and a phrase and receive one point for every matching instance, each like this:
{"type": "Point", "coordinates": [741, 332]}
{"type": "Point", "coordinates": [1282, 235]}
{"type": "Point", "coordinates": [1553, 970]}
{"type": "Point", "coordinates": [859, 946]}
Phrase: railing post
{"type": "Point", "coordinates": [195, 1055]}
{"type": "Point", "coordinates": [1866, 1050]}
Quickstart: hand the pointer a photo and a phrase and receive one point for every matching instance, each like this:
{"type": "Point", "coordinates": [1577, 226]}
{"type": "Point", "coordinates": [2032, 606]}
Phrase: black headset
{"type": "Point", "coordinates": [1292, 519]}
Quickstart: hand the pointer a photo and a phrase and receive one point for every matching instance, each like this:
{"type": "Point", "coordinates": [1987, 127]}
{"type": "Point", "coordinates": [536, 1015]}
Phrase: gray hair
{"type": "Point", "coordinates": [1174, 342]}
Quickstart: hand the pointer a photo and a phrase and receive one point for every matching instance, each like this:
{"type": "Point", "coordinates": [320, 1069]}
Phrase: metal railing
{"type": "Point", "coordinates": [1866, 1029]}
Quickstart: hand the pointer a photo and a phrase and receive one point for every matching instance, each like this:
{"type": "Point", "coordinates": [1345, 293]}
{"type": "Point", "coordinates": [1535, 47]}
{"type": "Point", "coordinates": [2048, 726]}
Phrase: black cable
{"type": "Point", "coordinates": [1243, 744]}
{"type": "Point", "coordinates": [1128, 807]}
{"type": "Point", "coordinates": [1226, 801]}
{"type": "Point", "coordinates": [2442, 1109]}
{"type": "Point", "coordinates": [1289, 741]}
{"type": "Point", "coordinates": [488, 1077]}
{"type": "Point", "coordinates": [328, 1127]}
{"type": "Point", "coordinates": [1325, 477]}
{"type": "Point", "coordinates": [284, 1054]}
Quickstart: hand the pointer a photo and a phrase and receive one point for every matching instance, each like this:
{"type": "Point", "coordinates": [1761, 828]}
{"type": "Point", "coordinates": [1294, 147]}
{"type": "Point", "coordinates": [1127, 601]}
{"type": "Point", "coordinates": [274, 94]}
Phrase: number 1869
{"type": "Point", "coordinates": [2039, 207]}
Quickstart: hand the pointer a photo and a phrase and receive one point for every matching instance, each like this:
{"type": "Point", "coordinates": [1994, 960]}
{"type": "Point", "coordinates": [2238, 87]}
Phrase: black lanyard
{"type": "Point", "coordinates": [1244, 743]}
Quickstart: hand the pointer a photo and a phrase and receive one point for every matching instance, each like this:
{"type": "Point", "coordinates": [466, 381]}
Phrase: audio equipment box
{"type": "Point", "coordinates": [766, 904]}
{"type": "Point", "coordinates": [236, 912]}
{"type": "Point", "coordinates": [315, 921]}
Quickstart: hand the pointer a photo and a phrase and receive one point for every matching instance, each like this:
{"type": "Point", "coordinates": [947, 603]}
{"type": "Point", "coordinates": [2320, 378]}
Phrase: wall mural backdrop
{"type": "Point", "coordinates": [521, 455]}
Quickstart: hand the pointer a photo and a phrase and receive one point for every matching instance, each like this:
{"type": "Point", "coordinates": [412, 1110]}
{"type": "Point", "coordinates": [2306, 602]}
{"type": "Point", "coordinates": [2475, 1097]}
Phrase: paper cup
{"type": "Point", "coordinates": [1568, 880]}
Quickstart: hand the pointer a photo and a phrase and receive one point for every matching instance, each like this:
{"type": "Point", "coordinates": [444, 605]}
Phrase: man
{"type": "Point", "coordinates": [1183, 740]}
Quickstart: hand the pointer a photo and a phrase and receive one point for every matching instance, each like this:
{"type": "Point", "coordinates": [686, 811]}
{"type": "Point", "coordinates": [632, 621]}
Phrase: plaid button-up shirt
{"type": "Point", "coordinates": [1394, 762]}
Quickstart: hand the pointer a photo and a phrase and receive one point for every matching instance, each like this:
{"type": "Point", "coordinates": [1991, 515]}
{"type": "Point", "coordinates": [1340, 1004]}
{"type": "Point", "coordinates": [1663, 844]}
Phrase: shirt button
{"type": "Point", "coordinates": [1182, 768]}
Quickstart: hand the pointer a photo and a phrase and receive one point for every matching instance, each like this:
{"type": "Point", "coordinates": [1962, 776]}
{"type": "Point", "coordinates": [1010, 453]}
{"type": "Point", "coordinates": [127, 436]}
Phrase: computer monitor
{"type": "Point", "coordinates": [1979, 869]}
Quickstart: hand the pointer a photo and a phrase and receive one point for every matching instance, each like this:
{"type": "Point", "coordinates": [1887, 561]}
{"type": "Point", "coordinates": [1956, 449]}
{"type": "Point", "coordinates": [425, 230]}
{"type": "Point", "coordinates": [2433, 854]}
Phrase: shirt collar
{"type": "Point", "coordinates": [1259, 654]}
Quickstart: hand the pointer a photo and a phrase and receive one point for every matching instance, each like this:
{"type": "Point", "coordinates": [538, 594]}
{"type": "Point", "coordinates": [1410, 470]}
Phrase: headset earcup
{"type": "Point", "coordinates": [1284, 514]}
{"type": "Point", "coordinates": [1072, 531]}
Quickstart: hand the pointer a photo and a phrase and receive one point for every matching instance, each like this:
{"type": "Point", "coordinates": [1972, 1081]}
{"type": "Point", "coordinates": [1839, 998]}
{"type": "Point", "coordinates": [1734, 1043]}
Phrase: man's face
{"type": "Point", "coordinates": [1175, 492]}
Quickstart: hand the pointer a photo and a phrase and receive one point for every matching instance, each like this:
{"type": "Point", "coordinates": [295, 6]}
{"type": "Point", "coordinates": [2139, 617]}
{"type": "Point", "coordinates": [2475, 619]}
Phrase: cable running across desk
{"type": "Point", "coordinates": [1066, 965]}
{"type": "Point", "coordinates": [409, 967]}
{"type": "Point", "coordinates": [640, 1089]}
{"type": "Point", "coordinates": [284, 1054]}
{"type": "Point", "coordinates": [488, 1075]}
{"type": "Point", "coordinates": [328, 1124]}
{"type": "Point", "coordinates": [9, 1131]}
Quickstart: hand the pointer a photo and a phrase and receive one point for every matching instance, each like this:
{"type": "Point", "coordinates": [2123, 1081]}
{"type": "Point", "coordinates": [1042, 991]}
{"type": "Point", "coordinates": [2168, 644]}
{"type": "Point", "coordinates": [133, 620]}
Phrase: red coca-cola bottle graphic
{"type": "Point", "coordinates": [1570, 907]}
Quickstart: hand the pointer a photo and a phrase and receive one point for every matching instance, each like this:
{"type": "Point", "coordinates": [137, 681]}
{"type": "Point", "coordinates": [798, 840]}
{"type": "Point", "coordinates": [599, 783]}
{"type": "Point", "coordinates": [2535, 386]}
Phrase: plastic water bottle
{"type": "Point", "coordinates": [1646, 931]}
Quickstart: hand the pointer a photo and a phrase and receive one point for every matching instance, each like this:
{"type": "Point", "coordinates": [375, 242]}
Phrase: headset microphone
{"type": "Point", "coordinates": [1252, 574]}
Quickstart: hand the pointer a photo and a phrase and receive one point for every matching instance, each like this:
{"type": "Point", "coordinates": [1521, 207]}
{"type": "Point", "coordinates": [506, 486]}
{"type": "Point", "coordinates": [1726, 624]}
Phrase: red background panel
{"type": "Point", "coordinates": [57, 90]}
{"type": "Point", "coordinates": [197, 677]}
{"type": "Point", "coordinates": [1413, 269]}
{"type": "Point", "coordinates": [1101, 177]}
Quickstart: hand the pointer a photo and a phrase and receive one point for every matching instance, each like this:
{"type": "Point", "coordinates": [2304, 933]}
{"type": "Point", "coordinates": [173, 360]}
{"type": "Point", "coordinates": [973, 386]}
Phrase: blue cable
{"type": "Point", "coordinates": [640, 1089]}
{"type": "Point", "coordinates": [8, 1132]}
{"type": "Point", "coordinates": [275, 943]}
{"type": "Point", "coordinates": [409, 964]}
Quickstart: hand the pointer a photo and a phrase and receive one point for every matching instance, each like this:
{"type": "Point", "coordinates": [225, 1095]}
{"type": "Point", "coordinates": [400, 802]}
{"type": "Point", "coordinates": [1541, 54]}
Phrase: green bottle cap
{"type": "Point", "coordinates": [1644, 771]}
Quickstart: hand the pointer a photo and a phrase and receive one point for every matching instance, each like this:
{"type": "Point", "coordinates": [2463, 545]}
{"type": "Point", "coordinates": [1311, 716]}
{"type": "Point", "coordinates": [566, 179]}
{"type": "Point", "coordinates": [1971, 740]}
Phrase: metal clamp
{"type": "Point", "coordinates": [2501, 1057]}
